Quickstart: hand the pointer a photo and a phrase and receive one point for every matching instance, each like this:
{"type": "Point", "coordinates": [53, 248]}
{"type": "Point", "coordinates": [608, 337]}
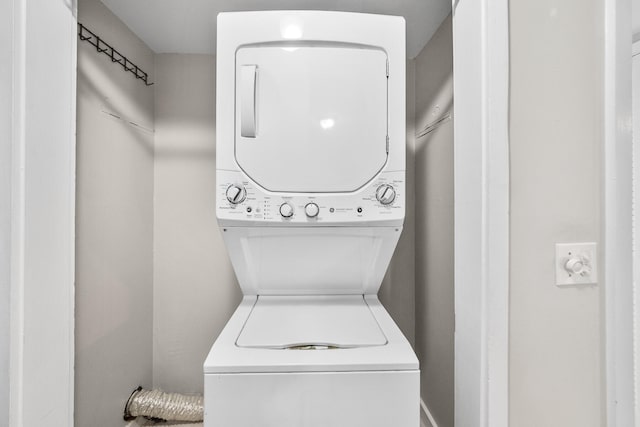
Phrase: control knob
{"type": "Point", "coordinates": [386, 194]}
{"type": "Point", "coordinates": [312, 210]}
{"type": "Point", "coordinates": [286, 210]}
{"type": "Point", "coordinates": [236, 193]}
{"type": "Point", "coordinates": [578, 265]}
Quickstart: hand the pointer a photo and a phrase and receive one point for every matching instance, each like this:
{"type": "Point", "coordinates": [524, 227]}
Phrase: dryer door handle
{"type": "Point", "coordinates": [248, 84]}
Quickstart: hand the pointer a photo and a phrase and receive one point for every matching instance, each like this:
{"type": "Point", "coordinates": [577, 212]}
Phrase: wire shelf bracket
{"type": "Point", "coordinates": [103, 47]}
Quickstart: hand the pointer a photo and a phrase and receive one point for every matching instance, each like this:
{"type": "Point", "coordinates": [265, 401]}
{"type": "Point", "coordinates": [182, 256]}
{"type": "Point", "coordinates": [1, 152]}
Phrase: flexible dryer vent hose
{"type": "Point", "coordinates": [156, 404]}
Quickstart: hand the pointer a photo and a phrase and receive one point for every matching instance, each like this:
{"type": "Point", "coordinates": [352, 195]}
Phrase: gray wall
{"type": "Point", "coordinates": [6, 64]}
{"type": "Point", "coordinates": [434, 230]}
{"type": "Point", "coordinates": [114, 224]}
{"type": "Point", "coordinates": [195, 290]}
{"type": "Point", "coordinates": [556, 112]}
{"type": "Point", "coordinates": [398, 287]}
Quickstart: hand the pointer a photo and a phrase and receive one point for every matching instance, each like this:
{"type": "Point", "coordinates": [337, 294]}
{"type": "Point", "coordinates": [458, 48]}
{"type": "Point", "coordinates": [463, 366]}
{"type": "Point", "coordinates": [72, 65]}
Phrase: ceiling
{"type": "Point", "coordinates": [189, 26]}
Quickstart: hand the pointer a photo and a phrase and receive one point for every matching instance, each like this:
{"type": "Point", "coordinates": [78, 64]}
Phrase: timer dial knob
{"type": "Point", "coordinates": [286, 210]}
{"type": "Point", "coordinates": [236, 193]}
{"type": "Point", "coordinates": [312, 210]}
{"type": "Point", "coordinates": [386, 194]}
{"type": "Point", "coordinates": [578, 265]}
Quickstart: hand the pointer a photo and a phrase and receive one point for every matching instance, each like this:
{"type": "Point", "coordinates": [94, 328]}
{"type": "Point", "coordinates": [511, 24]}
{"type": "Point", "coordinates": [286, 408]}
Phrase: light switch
{"type": "Point", "coordinates": [576, 264]}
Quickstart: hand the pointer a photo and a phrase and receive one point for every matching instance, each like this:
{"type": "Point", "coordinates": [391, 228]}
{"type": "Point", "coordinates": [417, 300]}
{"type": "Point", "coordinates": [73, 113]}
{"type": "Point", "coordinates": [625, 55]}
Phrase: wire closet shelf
{"type": "Point", "coordinates": [103, 47]}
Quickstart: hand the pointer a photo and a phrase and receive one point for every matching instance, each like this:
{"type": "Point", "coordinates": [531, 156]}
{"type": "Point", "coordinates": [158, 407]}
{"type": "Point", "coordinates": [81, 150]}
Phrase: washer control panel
{"type": "Point", "coordinates": [238, 198]}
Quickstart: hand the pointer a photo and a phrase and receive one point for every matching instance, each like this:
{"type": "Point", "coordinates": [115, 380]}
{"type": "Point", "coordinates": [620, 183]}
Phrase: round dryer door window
{"type": "Point", "coordinates": [311, 118]}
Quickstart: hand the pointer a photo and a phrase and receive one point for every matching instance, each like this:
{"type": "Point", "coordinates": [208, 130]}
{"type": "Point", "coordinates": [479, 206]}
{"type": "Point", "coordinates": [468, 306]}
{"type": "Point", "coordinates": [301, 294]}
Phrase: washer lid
{"type": "Point", "coordinates": [311, 118]}
{"type": "Point", "coordinates": [311, 322]}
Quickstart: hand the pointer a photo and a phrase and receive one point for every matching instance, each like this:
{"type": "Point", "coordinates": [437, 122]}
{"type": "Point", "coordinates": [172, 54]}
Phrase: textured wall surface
{"type": "Point", "coordinates": [556, 164]}
{"type": "Point", "coordinates": [434, 227]}
{"type": "Point", "coordinates": [114, 223]}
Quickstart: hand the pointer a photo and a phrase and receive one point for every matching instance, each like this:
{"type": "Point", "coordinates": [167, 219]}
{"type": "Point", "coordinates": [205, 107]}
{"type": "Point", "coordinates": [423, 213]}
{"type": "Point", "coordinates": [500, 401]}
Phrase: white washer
{"type": "Point", "coordinates": [311, 199]}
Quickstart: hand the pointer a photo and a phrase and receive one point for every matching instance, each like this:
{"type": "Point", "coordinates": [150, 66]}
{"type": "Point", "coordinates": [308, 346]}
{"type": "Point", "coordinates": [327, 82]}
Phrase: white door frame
{"type": "Point", "coordinates": [636, 237]}
{"type": "Point", "coordinates": [42, 306]}
{"type": "Point", "coordinates": [617, 223]}
{"type": "Point", "coordinates": [481, 171]}
{"type": "Point", "coordinates": [42, 225]}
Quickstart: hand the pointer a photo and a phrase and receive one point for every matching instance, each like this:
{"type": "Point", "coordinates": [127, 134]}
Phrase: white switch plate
{"type": "Point", "coordinates": [584, 253]}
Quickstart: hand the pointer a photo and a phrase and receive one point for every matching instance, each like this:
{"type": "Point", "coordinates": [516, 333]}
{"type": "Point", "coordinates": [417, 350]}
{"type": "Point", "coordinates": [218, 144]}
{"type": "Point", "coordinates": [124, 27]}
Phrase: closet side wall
{"type": "Point", "coordinates": [434, 225]}
{"type": "Point", "coordinates": [114, 222]}
{"type": "Point", "coordinates": [397, 292]}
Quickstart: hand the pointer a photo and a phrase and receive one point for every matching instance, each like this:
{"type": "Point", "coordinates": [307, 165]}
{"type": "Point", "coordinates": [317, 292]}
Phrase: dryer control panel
{"type": "Point", "coordinates": [239, 201]}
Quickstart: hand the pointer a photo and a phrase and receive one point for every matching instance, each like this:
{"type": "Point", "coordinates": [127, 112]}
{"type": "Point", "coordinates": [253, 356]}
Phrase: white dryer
{"type": "Point", "coordinates": [311, 199]}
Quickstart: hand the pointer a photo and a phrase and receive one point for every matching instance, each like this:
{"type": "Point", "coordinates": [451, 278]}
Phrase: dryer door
{"type": "Point", "coordinates": [311, 118]}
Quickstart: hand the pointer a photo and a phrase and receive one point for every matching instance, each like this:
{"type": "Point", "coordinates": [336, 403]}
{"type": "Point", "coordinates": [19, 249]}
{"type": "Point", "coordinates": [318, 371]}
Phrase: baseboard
{"type": "Point", "coordinates": [426, 419]}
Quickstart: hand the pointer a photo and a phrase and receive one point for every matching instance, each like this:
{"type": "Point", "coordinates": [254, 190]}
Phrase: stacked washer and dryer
{"type": "Point", "coordinates": [311, 201]}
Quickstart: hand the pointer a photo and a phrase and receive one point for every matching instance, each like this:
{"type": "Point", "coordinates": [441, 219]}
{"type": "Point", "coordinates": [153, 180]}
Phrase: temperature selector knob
{"type": "Point", "coordinates": [236, 194]}
{"type": "Point", "coordinates": [312, 210]}
{"type": "Point", "coordinates": [286, 210]}
{"type": "Point", "coordinates": [386, 194]}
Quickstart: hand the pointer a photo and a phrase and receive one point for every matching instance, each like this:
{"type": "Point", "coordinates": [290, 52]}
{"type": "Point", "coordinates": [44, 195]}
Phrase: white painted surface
{"type": "Point", "coordinates": [17, 226]}
{"type": "Point", "coordinates": [168, 26]}
{"type": "Point", "coordinates": [6, 129]}
{"type": "Point", "coordinates": [618, 241]}
{"type": "Point", "coordinates": [636, 219]}
{"type": "Point", "coordinates": [434, 230]}
{"type": "Point", "coordinates": [195, 290]}
{"type": "Point", "coordinates": [114, 223]}
{"type": "Point", "coordinates": [470, 368]}
{"type": "Point", "coordinates": [556, 343]}
{"type": "Point", "coordinates": [481, 162]}
{"type": "Point", "coordinates": [42, 213]}
{"type": "Point", "coordinates": [337, 399]}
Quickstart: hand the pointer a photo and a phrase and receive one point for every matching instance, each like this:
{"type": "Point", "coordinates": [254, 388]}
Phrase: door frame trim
{"type": "Point", "coordinates": [617, 223]}
{"type": "Point", "coordinates": [481, 171]}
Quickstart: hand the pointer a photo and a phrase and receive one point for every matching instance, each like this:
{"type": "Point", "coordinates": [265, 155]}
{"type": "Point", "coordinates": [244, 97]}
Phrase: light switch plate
{"type": "Point", "coordinates": [576, 264]}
